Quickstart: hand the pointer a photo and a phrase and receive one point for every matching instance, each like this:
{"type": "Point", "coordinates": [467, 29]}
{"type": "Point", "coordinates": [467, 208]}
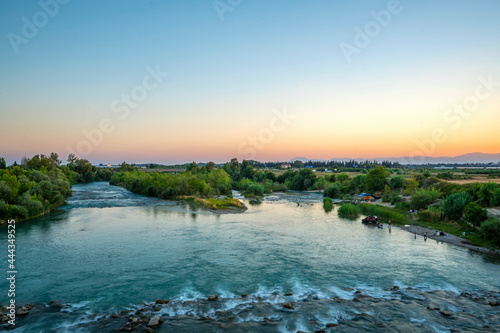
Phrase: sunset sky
{"type": "Point", "coordinates": [260, 79]}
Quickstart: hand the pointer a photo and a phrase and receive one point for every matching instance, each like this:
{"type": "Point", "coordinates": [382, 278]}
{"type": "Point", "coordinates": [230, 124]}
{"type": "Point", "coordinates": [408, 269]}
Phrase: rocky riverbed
{"type": "Point", "coordinates": [393, 310]}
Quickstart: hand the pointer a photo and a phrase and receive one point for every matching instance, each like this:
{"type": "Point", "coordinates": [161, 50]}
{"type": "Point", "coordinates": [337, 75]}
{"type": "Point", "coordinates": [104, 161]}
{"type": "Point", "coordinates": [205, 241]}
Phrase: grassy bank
{"type": "Point", "coordinates": [383, 212]}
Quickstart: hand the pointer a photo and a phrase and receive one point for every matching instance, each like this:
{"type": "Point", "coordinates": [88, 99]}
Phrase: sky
{"type": "Point", "coordinates": [203, 80]}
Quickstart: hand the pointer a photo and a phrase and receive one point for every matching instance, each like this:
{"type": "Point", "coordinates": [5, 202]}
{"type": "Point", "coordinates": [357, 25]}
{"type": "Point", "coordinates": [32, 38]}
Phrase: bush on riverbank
{"type": "Point", "coordinates": [454, 205]}
{"type": "Point", "coordinates": [332, 191]}
{"type": "Point", "coordinates": [491, 229]}
{"type": "Point", "coordinates": [475, 214]}
{"type": "Point", "coordinates": [327, 204]}
{"type": "Point", "coordinates": [423, 198]}
{"type": "Point", "coordinates": [348, 210]}
{"type": "Point", "coordinates": [383, 212]}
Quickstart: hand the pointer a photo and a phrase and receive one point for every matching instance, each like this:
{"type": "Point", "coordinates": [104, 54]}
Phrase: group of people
{"type": "Point", "coordinates": [438, 233]}
{"type": "Point", "coordinates": [380, 225]}
{"type": "Point", "coordinates": [412, 211]}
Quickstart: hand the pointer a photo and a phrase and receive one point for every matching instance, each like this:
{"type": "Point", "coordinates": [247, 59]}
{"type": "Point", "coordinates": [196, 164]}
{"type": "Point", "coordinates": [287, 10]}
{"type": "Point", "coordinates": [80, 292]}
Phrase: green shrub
{"type": "Point", "coordinates": [495, 198]}
{"type": "Point", "coordinates": [486, 194]}
{"type": "Point", "coordinates": [277, 187]}
{"type": "Point", "coordinates": [396, 199]}
{"type": "Point", "coordinates": [403, 205]}
{"type": "Point", "coordinates": [342, 177]}
{"type": "Point", "coordinates": [332, 191]}
{"type": "Point", "coordinates": [396, 182]}
{"type": "Point", "coordinates": [475, 214]}
{"type": "Point", "coordinates": [376, 178]}
{"type": "Point", "coordinates": [382, 212]}
{"type": "Point", "coordinates": [422, 198]}
{"type": "Point", "coordinates": [327, 204]}
{"type": "Point", "coordinates": [491, 229]}
{"type": "Point", "coordinates": [348, 210]}
{"type": "Point", "coordinates": [454, 205]}
{"type": "Point", "coordinates": [18, 212]}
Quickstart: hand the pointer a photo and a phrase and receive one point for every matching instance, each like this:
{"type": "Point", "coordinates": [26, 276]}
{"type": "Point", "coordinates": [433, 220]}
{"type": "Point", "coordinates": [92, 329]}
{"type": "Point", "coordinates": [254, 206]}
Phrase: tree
{"type": "Point", "coordinates": [72, 159]}
{"type": "Point", "coordinates": [491, 229]}
{"type": "Point", "coordinates": [192, 167]}
{"type": "Point", "coordinates": [342, 177]}
{"type": "Point", "coordinates": [303, 180]}
{"type": "Point", "coordinates": [235, 164]}
{"type": "Point", "coordinates": [376, 178]}
{"type": "Point", "coordinates": [3, 165]}
{"type": "Point", "coordinates": [320, 183]}
{"type": "Point", "coordinates": [422, 198]}
{"type": "Point", "coordinates": [411, 186]}
{"type": "Point", "coordinates": [54, 159]}
{"type": "Point", "coordinates": [358, 182]}
{"type": "Point", "coordinates": [454, 205]}
{"type": "Point", "coordinates": [486, 193]}
{"type": "Point", "coordinates": [475, 214]}
{"type": "Point", "coordinates": [246, 170]}
{"type": "Point", "coordinates": [210, 166]}
{"type": "Point", "coordinates": [24, 162]}
{"type": "Point", "coordinates": [84, 168]}
{"type": "Point", "coordinates": [332, 191]}
{"type": "Point", "coordinates": [396, 182]}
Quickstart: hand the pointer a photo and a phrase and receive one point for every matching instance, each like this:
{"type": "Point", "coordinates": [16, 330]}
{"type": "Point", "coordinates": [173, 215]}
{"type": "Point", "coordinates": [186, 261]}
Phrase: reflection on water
{"type": "Point", "coordinates": [112, 250]}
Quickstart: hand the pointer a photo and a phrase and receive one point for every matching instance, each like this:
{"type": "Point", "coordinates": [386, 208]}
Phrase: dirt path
{"type": "Point", "coordinates": [494, 211]}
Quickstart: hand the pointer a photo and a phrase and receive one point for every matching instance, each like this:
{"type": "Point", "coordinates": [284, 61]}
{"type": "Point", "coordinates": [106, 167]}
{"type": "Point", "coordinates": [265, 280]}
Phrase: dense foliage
{"type": "Point", "coordinates": [33, 188]}
{"type": "Point", "coordinates": [454, 205]}
{"type": "Point", "coordinates": [41, 183]}
{"type": "Point", "coordinates": [169, 186]}
{"type": "Point", "coordinates": [348, 210]}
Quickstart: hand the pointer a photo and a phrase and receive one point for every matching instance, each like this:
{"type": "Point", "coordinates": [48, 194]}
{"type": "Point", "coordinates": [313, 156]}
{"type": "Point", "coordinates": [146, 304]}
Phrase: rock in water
{"type": "Point", "coordinates": [155, 322]}
{"type": "Point", "coordinates": [446, 314]}
{"type": "Point", "coordinates": [213, 297]}
{"type": "Point", "coordinates": [22, 311]}
{"type": "Point", "coordinates": [288, 306]}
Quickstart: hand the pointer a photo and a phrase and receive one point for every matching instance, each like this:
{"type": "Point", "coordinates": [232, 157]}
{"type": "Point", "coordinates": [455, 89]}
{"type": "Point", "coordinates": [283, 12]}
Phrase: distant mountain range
{"type": "Point", "coordinates": [465, 158]}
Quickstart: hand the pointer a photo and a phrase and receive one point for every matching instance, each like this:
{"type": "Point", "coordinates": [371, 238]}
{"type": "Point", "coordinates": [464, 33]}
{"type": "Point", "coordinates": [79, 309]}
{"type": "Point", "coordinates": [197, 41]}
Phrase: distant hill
{"type": "Point", "coordinates": [465, 158]}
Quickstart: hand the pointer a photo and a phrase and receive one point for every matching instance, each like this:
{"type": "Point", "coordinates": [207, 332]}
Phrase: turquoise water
{"type": "Point", "coordinates": [108, 250]}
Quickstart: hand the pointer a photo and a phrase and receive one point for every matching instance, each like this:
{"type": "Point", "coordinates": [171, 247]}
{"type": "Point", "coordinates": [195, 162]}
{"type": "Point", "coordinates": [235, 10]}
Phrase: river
{"type": "Point", "coordinates": [108, 250]}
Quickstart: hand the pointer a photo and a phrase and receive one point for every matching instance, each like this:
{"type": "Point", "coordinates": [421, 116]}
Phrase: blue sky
{"type": "Point", "coordinates": [227, 76]}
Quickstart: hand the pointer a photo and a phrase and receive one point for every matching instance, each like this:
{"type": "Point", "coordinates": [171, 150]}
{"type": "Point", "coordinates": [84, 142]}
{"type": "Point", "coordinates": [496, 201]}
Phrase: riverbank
{"type": "Point", "coordinates": [448, 239]}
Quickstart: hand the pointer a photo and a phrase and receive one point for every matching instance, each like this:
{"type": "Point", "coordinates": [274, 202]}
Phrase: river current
{"type": "Point", "coordinates": [109, 251]}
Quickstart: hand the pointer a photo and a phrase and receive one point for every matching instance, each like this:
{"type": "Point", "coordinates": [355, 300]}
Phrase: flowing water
{"type": "Point", "coordinates": [109, 251]}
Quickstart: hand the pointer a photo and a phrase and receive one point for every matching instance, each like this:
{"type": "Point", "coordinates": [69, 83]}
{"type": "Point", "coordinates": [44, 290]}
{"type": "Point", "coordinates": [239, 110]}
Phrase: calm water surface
{"type": "Point", "coordinates": [108, 250]}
